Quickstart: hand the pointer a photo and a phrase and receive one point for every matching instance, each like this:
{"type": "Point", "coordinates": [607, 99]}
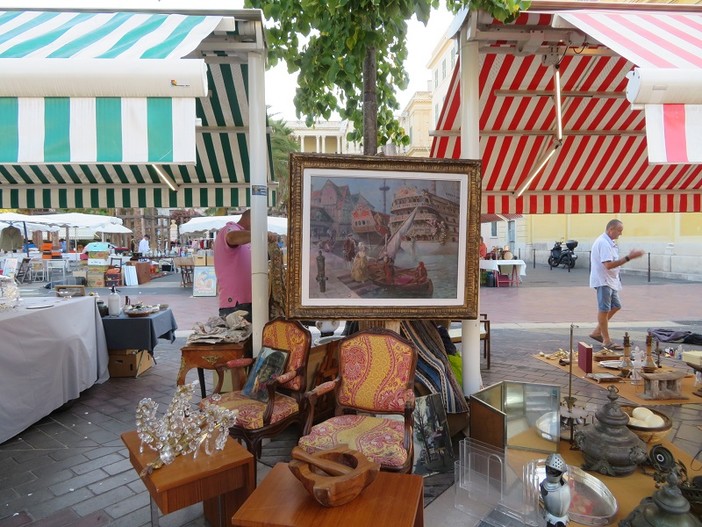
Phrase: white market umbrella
{"type": "Point", "coordinates": [113, 228]}
{"type": "Point", "coordinates": [214, 223]}
{"type": "Point", "coordinates": [76, 219]}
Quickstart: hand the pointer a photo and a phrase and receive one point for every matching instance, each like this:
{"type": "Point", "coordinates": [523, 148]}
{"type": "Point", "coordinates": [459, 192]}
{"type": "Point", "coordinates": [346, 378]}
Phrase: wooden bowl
{"type": "Point", "coordinates": [333, 477]}
{"type": "Point", "coordinates": [646, 434]}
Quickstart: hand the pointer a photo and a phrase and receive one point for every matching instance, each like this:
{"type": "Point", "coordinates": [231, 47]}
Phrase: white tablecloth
{"type": "Point", "coordinates": [47, 357]}
{"type": "Point", "coordinates": [494, 265]}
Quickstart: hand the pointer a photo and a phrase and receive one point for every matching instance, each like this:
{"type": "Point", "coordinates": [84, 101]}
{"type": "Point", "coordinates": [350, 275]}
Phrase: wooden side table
{"type": "Point", "coordinates": [222, 481]}
{"type": "Point", "coordinates": [208, 356]}
{"type": "Point", "coordinates": [281, 501]}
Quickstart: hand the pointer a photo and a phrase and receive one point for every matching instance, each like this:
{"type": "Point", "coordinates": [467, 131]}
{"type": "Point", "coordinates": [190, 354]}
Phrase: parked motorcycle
{"type": "Point", "coordinates": [565, 257]}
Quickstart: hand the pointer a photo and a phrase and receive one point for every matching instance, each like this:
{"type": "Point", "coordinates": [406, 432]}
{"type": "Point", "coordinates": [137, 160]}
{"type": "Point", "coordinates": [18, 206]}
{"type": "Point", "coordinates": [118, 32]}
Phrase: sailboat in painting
{"type": "Point", "coordinates": [412, 281]}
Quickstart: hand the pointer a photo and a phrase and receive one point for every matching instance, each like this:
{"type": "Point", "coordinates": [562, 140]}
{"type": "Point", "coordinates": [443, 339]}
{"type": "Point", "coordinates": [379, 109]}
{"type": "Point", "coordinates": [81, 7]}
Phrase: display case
{"type": "Point", "coordinates": [520, 415]}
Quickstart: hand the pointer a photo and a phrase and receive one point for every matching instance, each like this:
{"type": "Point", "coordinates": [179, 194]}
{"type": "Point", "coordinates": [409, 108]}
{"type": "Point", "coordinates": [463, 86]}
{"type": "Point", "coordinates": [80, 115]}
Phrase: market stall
{"type": "Point", "coordinates": [53, 349]}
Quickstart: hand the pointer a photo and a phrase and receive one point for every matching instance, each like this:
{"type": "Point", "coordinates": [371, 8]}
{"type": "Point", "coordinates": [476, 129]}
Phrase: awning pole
{"type": "Point", "coordinates": [259, 197]}
{"type": "Point", "coordinates": [470, 149]}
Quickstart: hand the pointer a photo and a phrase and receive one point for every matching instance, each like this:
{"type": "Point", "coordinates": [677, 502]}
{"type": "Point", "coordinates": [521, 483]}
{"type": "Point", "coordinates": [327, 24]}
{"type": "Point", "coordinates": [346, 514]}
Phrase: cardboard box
{"type": "Point", "coordinates": [96, 279]}
{"type": "Point", "coordinates": [129, 363]}
{"type": "Point", "coordinates": [97, 261]}
{"type": "Point", "coordinates": [99, 255]}
{"type": "Point", "coordinates": [200, 260]}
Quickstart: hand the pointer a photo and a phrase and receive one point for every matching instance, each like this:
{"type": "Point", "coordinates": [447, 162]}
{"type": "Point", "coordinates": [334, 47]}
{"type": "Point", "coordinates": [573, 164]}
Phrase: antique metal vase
{"type": "Point", "coordinates": [608, 446]}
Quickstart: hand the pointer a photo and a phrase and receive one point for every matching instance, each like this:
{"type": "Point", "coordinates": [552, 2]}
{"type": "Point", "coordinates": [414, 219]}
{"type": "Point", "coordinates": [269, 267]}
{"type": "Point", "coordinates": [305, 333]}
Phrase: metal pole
{"type": "Point", "coordinates": [534, 257]}
{"type": "Point", "coordinates": [649, 267]}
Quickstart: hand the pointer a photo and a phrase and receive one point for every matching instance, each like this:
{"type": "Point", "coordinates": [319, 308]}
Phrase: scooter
{"type": "Point", "coordinates": [565, 257]}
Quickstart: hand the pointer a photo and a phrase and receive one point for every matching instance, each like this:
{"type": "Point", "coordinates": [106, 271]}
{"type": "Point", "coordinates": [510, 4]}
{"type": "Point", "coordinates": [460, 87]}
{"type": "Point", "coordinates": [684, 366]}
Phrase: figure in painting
{"type": "Point", "coordinates": [349, 248]}
{"type": "Point", "coordinates": [389, 270]}
{"type": "Point", "coordinates": [420, 273]}
{"type": "Point", "coordinates": [359, 270]}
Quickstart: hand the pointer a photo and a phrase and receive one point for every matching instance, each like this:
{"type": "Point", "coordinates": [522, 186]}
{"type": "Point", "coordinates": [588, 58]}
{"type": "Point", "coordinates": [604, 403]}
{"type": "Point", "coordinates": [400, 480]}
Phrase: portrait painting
{"type": "Point", "coordinates": [377, 237]}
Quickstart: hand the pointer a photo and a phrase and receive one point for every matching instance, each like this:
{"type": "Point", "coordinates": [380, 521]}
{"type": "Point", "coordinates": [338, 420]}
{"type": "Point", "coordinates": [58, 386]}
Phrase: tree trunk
{"type": "Point", "coordinates": [370, 104]}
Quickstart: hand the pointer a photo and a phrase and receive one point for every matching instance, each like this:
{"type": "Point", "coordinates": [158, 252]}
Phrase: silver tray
{"type": "Point", "coordinates": [592, 503]}
{"type": "Point", "coordinates": [611, 364]}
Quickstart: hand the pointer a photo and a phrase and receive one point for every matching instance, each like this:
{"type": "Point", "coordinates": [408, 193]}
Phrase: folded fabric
{"type": "Point", "coordinates": [670, 335]}
{"type": "Point", "coordinates": [433, 368]}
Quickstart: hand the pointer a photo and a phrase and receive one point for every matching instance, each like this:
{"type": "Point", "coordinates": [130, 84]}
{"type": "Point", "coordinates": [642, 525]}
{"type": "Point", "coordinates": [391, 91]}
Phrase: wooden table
{"type": "Point", "coordinates": [282, 501]}
{"type": "Point", "coordinates": [222, 481]}
{"type": "Point", "coordinates": [208, 356]}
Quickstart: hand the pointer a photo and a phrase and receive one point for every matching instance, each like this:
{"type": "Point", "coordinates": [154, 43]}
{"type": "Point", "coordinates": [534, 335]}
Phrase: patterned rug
{"type": "Point", "coordinates": [278, 450]}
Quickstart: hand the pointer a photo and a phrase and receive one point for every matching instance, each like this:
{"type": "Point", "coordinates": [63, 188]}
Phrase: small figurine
{"type": "Point", "coordinates": [555, 492]}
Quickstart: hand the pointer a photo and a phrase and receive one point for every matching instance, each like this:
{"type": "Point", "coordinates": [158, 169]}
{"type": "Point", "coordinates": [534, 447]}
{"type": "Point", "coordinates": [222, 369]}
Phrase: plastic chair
{"type": "Point", "coordinates": [376, 380]}
{"type": "Point", "coordinates": [38, 273]}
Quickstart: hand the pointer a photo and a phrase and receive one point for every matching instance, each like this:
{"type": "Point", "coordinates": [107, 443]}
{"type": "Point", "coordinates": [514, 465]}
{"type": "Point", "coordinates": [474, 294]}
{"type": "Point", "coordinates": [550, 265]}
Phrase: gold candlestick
{"type": "Point", "coordinates": [626, 365]}
{"type": "Point", "coordinates": [650, 366]}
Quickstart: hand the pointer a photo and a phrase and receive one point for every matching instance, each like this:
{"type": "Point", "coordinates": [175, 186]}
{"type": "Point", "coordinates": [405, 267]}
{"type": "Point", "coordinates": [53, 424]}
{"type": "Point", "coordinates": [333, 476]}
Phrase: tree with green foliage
{"type": "Point", "coordinates": [350, 56]}
{"type": "Point", "coordinates": [282, 143]}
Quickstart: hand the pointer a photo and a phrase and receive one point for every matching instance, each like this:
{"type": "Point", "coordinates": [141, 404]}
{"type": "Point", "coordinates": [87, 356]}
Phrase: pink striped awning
{"type": "Point", "coordinates": [602, 165]}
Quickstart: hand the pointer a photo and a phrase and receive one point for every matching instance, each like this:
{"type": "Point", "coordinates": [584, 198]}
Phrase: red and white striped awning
{"type": "Point", "coordinates": [602, 164]}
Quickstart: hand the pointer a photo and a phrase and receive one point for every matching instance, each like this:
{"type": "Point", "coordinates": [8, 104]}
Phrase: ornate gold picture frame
{"type": "Point", "coordinates": [383, 237]}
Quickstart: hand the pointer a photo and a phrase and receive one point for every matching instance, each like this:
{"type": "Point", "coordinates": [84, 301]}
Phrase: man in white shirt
{"type": "Point", "coordinates": [144, 245]}
{"type": "Point", "coordinates": [604, 277]}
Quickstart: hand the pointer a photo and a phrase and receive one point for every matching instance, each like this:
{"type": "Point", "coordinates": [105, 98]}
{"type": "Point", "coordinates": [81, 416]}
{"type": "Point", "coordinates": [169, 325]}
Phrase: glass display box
{"type": "Point", "coordinates": [519, 415]}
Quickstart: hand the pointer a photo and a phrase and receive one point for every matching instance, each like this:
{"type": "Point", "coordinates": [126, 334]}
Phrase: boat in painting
{"type": "Point", "coordinates": [401, 281]}
{"type": "Point", "coordinates": [435, 229]}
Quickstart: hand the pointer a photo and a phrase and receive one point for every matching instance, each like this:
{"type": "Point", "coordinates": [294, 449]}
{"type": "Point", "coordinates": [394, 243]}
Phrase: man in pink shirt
{"type": "Point", "coordinates": [232, 258]}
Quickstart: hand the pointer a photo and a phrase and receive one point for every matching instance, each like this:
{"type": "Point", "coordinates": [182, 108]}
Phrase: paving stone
{"type": "Point", "coordinates": [97, 463]}
{"type": "Point", "coordinates": [125, 507]}
{"type": "Point", "coordinates": [16, 520]}
{"type": "Point", "coordinates": [119, 467]}
{"type": "Point", "coordinates": [103, 500]}
{"type": "Point", "coordinates": [102, 451]}
{"type": "Point", "coordinates": [49, 507]}
{"type": "Point", "coordinates": [136, 518]}
{"type": "Point", "coordinates": [44, 481]}
{"type": "Point", "coordinates": [109, 483]}
{"type": "Point", "coordinates": [73, 484]}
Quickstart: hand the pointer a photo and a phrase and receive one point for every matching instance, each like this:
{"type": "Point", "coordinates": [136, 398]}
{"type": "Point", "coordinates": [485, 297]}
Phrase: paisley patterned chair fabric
{"type": "Point", "coordinates": [376, 376]}
{"type": "Point", "coordinates": [286, 404]}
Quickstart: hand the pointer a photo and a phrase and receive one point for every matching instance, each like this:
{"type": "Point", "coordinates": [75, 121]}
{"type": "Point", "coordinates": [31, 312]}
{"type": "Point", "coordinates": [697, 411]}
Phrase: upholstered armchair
{"type": "Point", "coordinates": [375, 381]}
{"type": "Point", "coordinates": [286, 403]}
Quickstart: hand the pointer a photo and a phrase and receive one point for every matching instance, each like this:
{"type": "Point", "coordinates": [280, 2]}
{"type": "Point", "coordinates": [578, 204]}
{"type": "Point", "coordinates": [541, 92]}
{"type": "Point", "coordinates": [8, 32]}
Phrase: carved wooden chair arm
{"type": "Point", "coordinates": [229, 365]}
{"type": "Point", "coordinates": [312, 396]}
{"type": "Point", "coordinates": [239, 363]}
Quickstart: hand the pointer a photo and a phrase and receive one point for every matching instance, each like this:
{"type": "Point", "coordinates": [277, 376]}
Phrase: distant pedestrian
{"type": "Point", "coordinates": [604, 277]}
{"type": "Point", "coordinates": [144, 247]}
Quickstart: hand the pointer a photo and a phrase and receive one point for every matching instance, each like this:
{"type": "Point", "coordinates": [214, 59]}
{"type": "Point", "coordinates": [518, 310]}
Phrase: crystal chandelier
{"type": "Point", "coordinates": [183, 428]}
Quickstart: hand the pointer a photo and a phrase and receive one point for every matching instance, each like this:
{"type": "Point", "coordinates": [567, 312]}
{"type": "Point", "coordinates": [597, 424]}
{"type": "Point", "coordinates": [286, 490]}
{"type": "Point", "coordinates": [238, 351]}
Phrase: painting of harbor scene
{"type": "Point", "coordinates": [383, 238]}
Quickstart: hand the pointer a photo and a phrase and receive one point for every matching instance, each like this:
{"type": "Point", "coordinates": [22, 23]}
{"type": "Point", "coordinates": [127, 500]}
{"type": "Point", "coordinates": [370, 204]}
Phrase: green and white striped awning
{"type": "Point", "coordinates": [117, 109]}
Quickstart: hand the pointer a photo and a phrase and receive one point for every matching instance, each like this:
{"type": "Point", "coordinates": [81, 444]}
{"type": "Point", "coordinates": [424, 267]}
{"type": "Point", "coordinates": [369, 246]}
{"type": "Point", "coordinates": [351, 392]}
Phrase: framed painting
{"type": "Point", "coordinates": [270, 363]}
{"type": "Point", "coordinates": [204, 281]}
{"type": "Point", "coordinates": [433, 450]}
{"type": "Point", "coordinates": [383, 238]}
